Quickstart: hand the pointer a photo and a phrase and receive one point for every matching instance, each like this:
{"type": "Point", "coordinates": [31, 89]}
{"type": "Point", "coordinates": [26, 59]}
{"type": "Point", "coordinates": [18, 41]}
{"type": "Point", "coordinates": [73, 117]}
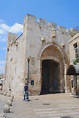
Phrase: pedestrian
{"type": "Point", "coordinates": [26, 92]}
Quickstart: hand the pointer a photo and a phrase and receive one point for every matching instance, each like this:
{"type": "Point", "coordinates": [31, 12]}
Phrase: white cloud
{"type": "Point", "coordinates": [4, 30]}
{"type": "Point", "coordinates": [2, 69]}
{"type": "Point", "coordinates": [2, 62]}
{"type": "Point", "coordinates": [4, 27]}
{"type": "Point", "coordinates": [16, 28]}
{"type": "Point", "coordinates": [3, 39]}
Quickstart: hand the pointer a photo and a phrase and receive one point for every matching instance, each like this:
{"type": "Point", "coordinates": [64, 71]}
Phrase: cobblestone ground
{"type": "Point", "coordinates": [3, 100]}
{"type": "Point", "coordinates": [45, 106]}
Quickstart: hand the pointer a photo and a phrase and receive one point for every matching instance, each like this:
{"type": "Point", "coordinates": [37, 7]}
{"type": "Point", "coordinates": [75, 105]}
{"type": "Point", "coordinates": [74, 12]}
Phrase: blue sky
{"type": "Point", "coordinates": [12, 13]}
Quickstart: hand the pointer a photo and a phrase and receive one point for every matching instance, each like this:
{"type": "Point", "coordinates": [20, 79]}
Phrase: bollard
{"type": "Point", "coordinates": [6, 109]}
{"type": "Point", "coordinates": [1, 93]}
{"type": "Point", "coordinates": [4, 93]}
{"type": "Point", "coordinates": [12, 96]}
{"type": "Point", "coordinates": [9, 102]}
{"type": "Point", "coordinates": [11, 99]}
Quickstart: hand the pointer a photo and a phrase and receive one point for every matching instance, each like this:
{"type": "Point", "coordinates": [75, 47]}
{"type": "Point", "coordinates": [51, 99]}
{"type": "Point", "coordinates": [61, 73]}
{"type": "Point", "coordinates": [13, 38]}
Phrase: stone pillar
{"type": "Point", "coordinates": [75, 85]}
{"type": "Point", "coordinates": [72, 85]}
{"type": "Point", "coordinates": [65, 77]}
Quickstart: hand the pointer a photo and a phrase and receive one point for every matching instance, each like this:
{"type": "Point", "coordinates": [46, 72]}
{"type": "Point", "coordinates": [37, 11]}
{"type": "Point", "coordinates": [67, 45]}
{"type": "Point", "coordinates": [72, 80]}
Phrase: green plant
{"type": "Point", "coordinates": [75, 61]}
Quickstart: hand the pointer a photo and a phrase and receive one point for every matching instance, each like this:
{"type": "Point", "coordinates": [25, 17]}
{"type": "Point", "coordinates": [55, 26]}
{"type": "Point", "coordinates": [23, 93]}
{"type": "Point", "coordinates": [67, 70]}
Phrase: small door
{"type": "Point", "coordinates": [78, 85]}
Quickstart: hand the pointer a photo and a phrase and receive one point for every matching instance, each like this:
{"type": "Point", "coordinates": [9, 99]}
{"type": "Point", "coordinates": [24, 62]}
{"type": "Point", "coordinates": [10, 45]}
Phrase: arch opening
{"type": "Point", "coordinates": [50, 79]}
{"type": "Point", "coordinates": [73, 70]}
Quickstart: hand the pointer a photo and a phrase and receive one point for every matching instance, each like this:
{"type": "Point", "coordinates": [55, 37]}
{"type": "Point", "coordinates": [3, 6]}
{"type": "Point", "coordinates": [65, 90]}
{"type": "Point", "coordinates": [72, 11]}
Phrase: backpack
{"type": "Point", "coordinates": [25, 88]}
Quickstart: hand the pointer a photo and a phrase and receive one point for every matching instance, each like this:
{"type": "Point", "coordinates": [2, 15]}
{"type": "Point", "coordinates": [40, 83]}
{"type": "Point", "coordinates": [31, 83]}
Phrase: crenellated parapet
{"type": "Point", "coordinates": [41, 23]}
{"type": "Point", "coordinates": [29, 18]}
{"type": "Point", "coordinates": [73, 31]}
{"type": "Point", "coordinates": [62, 29]}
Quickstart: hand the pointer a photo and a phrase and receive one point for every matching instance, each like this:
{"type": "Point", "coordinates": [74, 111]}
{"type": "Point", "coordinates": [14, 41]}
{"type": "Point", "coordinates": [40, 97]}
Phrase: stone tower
{"type": "Point", "coordinates": [45, 45]}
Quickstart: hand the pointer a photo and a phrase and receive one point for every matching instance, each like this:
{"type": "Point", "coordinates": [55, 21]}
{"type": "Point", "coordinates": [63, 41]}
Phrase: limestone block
{"type": "Point", "coordinates": [12, 96]}
{"type": "Point", "coordinates": [6, 109]}
{"type": "Point", "coordinates": [4, 93]}
{"type": "Point", "coordinates": [11, 99]}
{"type": "Point", "coordinates": [1, 93]}
{"type": "Point", "coordinates": [53, 33]}
{"type": "Point", "coordinates": [9, 102]}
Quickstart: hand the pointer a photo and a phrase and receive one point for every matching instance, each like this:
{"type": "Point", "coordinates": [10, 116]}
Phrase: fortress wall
{"type": "Point", "coordinates": [15, 65]}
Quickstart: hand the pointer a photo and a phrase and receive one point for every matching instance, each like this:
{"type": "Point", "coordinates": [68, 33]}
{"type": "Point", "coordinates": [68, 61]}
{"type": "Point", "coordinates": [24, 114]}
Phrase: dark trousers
{"type": "Point", "coordinates": [25, 95]}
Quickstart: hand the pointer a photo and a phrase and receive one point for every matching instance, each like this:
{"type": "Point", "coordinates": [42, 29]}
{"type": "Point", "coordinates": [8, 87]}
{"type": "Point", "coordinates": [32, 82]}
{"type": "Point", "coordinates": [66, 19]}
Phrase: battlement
{"type": "Point", "coordinates": [63, 29]}
{"type": "Point", "coordinates": [41, 22]}
{"type": "Point", "coordinates": [45, 24]}
{"type": "Point", "coordinates": [29, 18]}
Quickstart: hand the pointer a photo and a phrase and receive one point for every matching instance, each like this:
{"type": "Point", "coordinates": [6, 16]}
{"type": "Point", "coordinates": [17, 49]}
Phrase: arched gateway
{"type": "Point", "coordinates": [50, 76]}
{"type": "Point", "coordinates": [52, 68]}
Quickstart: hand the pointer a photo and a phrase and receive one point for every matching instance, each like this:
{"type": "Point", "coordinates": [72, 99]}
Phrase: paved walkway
{"type": "Point", "coordinates": [3, 101]}
{"type": "Point", "coordinates": [46, 106]}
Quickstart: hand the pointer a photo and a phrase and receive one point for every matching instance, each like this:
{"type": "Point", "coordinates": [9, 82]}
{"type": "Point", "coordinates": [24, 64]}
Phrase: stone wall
{"type": "Point", "coordinates": [15, 64]}
{"type": "Point", "coordinates": [73, 41]}
{"type": "Point", "coordinates": [36, 37]}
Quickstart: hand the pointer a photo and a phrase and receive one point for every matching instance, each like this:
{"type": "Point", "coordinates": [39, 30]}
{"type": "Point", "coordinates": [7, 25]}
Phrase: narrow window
{"type": "Point", "coordinates": [76, 51]}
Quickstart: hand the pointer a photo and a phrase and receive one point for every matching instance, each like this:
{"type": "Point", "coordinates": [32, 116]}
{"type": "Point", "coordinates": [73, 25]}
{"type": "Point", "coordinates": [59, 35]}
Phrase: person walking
{"type": "Point", "coordinates": [26, 92]}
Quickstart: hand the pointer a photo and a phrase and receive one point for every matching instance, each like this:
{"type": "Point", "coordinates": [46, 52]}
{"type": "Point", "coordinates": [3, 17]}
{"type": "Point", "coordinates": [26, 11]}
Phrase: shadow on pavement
{"type": "Point", "coordinates": [66, 117]}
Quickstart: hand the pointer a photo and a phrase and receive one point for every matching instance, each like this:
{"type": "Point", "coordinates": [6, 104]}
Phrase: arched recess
{"type": "Point", "coordinates": [73, 72]}
{"type": "Point", "coordinates": [52, 60]}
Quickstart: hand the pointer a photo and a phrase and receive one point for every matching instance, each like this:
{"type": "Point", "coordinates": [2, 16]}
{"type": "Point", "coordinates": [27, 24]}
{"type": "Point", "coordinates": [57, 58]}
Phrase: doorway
{"type": "Point", "coordinates": [50, 77]}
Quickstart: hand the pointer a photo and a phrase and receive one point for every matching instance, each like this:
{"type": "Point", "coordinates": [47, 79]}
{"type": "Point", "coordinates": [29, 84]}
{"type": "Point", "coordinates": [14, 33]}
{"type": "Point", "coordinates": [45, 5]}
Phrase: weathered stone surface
{"type": "Point", "coordinates": [29, 45]}
{"type": "Point", "coordinates": [6, 109]}
{"type": "Point", "coordinates": [1, 92]}
{"type": "Point", "coordinates": [4, 93]}
{"type": "Point", "coordinates": [11, 99]}
{"type": "Point", "coordinates": [12, 96]}
{"type": "Point", "coordinates": [9, 102]}
{"type": "Point", "coordinates": [9, 94]}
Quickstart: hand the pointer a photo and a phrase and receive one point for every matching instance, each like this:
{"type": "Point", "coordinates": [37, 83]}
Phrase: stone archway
{"type": "Point", "coordinates": [52, 53]}
{"type": "Point", "coordinates": [50, 79]}
{"type": "Point", "coordinates": [73, 72]}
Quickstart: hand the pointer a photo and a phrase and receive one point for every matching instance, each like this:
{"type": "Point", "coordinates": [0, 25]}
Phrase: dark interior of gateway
{"type": "Point", "coordinates": [50, 77]}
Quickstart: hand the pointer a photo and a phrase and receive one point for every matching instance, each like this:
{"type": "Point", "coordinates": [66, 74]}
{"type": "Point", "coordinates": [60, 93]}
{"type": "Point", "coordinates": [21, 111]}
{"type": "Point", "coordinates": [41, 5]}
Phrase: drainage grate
{"type": "Point", "coordinates": [46, 104]}
{"type": "Point", "coordinates": [36, 99]}
{"type": "Point", "coordinates": [66, 117]}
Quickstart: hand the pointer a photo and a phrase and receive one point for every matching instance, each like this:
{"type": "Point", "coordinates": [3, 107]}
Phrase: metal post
{"type": "Point", "coordinates": [28, 72]}
{"type": "Point", "coordinates": [28, 77]}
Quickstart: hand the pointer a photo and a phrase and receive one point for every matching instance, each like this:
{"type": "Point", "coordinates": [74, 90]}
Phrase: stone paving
{"type": "Point", "coordinates": [3, 100]}
{"type": "Point", "coordinates": [45, 106]}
